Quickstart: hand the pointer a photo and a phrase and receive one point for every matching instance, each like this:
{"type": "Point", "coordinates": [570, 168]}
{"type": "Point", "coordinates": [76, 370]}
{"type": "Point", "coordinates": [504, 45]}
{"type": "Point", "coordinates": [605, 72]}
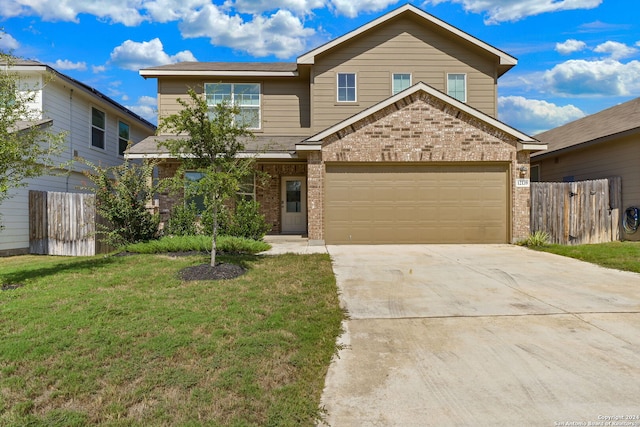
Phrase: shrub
{"type": "Point", "coordinates": [247, 221]}
{"type": "Point", "coordinates": [537, 239]}
{"type": "Point", "coordinates": [122, 195]}
{"type": "Point", "coordinates": [183, 221]}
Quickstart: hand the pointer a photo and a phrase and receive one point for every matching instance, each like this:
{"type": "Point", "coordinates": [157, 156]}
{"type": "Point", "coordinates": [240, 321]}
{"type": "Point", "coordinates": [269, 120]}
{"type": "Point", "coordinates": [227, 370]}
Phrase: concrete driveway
{"type": "Point", "coordinates": [483, 335]}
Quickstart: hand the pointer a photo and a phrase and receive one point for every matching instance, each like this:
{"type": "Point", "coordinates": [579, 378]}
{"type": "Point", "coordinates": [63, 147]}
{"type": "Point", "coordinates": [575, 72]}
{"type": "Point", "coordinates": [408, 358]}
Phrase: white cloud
{"type": "Point", "coordinates": [616, 50]}
{"type": "Point", "coordinates": [507, 10]}
{"type": "Point", "coordinates": [7, 42]}
{"type": "Point", "coordinates": [300, 7]}
{"type": "Point", "coordinates": [280, 34]}
{"type": "Point", "coordinates": [132, 55]}
{"type": "Point", "coordinates": [172, 10]}
{"type": "Point", "coordinates": [146, 107]}
{"type": "Point", "coordinates": [353, 8]}
{"type": "Point", "coordinates": [126, 12]}
{"type": "Point", "coordinates": [65, 64]}
{"type": "Point", "coordinates": [583, 78]}
{"type": "Point", "coordinates": [533, 116]}
{"type": "Point", "coordinates": [570, 46]}
{"type": "Point", "coordinates": [97, 69]}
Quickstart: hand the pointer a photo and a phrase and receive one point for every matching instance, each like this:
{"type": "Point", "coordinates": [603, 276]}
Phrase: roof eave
{"type": "Point", "coordinates": [585, 144]}
{"type": "Point", "coordinates": [243, 155]}
{"type": "Point", "coordinates": [196, 73]}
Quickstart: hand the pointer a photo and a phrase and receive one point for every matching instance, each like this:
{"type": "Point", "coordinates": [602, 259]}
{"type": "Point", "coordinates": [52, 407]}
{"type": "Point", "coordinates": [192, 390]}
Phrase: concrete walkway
{"type": "Point", "coordinates": [295, 244]}
{"type": "Point", "coordinates": [482, 335]}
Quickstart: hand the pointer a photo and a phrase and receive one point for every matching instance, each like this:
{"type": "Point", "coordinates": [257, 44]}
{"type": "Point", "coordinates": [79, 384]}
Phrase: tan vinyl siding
{"type": "Point", "coordinates": [402, 45]}
{"type": "Point", "coordinates": [617, 158]}
{"type": "Point", "coordinates": [284, 100]}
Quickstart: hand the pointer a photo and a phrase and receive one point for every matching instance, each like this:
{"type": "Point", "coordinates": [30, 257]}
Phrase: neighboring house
{"type": "Point", "coordinates": [598, 146]}
{"type": "Point", "coordinates": [97, 129]}
{"type": "Point", "coordinates": [384, 135]}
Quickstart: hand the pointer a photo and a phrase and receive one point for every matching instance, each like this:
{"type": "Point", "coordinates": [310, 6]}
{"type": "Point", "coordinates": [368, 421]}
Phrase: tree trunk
{"type": "Point", "coordinates": [215, 234]}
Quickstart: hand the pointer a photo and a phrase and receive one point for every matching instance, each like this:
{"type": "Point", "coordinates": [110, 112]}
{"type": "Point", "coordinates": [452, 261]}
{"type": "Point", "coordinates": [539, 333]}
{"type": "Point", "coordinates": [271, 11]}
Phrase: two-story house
{"type": "Point", "coordinates": [387, 134]}
{"type": "Point", "coordinates": [97, 128]}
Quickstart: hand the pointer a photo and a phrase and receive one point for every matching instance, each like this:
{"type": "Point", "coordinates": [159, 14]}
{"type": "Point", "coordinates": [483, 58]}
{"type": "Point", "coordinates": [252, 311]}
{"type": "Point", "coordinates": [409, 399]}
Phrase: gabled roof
{"type": "Point", "coordinates": [36, 66]}
{"type": "Point", "coordinates": [599, 127]}
{"type": "Point", "coordinates": [506, 61]}
{"type": "Point", "coordinates": [261, 69]}
{"type": "Point", "coordinates": [526, 142]}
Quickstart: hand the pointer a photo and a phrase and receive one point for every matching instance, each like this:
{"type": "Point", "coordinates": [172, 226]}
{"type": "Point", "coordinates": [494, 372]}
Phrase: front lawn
{"type": "Point", "coordinates": [122, 341]}
{"type": "Point", "coordinates": [619, 255]}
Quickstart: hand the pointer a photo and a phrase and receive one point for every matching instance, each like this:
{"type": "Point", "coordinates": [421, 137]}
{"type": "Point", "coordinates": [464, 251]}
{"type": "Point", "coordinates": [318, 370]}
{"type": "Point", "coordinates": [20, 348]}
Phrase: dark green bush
{"type": "Point", "coordinates": [247, 221]}
{"type": "Point", "coordinates": [183, 221]}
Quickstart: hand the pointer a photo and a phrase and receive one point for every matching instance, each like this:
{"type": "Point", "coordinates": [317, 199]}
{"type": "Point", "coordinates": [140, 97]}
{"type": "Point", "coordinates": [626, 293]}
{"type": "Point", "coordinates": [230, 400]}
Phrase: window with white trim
{"type": "Point", "coordinates": [400, 81]}
{"type": "Point", "coordinates": [457, 86]}
{"type": "Point", "coordinates": [247, 188]}
{"type": "Point", "coordinates": [346, 87]}
{"type": "Point", "coordinates": [123, 137]}
{"type": "Point", "coordinates": [98, 126]}
{"type": "Point", "coordinates": [245, 96]}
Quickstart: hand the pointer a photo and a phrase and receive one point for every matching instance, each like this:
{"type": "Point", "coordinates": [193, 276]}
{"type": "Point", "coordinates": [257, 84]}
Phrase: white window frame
{"type": "Point", "coordinates": [120, 139]}
{"type": "Point", "coordinates": [232, 99]}
{"type": "Point", "coordinates": [103, 130]}
{"type": "Point", "coordinates": [355, 88]}
{"type": "Point", "coordinates": [464, 75]}
{"type": "Point", "coordinates": [246, 195]}
{"type": "Point", "coordinates": [393, 77]}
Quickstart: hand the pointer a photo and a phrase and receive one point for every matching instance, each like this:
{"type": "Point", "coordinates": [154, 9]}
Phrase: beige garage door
{"type": "Point", "coordinates": [416, 204]}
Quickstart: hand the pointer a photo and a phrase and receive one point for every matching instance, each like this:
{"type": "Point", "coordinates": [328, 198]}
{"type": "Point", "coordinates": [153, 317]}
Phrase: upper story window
{"type": "Point", "coordinates": [400, 81]}
{"type": "Point", "coordinates": [245, 96]}
{"type": "Point", "coordinates": [457, 86]}
{"type": "Point", "coordinates": [347, 87]}
{"type": "Point", "coordinates": [123, 137]}
{"type": "Point", "coordinates": [98, 126]}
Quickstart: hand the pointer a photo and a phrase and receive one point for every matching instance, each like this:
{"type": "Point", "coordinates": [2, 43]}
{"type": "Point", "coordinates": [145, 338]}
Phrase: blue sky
{"type": "Point", "coordinates": [575, 57]}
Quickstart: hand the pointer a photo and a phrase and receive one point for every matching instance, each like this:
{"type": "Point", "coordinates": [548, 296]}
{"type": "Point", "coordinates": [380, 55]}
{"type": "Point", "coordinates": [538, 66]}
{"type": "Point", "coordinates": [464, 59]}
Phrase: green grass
{"type": "Point", "coordinates": [121, 341]}
{"type": "Point", "coordinates": [227, 244]}
{"type": "Point", "coordinates": [619, 255]}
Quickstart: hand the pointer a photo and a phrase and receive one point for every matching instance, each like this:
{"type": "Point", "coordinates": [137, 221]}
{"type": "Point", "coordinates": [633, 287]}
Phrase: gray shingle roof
{"type": "Point", "coordinates": [612, 121]}
{"type": "Point", "coordinates": [150, 146]}
{"type": "Point", "coordinates": [228, 66]}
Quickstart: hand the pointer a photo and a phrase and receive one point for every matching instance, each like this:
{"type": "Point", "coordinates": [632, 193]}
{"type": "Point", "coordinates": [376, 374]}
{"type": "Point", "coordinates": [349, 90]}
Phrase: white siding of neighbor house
{"type": "Point", "coordinates": [70, 108]}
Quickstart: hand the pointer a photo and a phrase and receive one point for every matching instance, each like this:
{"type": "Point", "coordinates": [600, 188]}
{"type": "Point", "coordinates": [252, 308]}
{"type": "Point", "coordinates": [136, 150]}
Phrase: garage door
{"type": "Point", "coordinates": [416, 204]}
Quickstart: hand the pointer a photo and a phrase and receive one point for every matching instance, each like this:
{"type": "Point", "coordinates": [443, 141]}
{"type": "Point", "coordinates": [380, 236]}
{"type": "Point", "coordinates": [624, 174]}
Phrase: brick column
{"type": "Point", "coordinates": [315, 198]}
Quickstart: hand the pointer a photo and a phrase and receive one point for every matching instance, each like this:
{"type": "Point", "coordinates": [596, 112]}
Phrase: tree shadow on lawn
{"type": "Point", "coordinates": [17, 279]}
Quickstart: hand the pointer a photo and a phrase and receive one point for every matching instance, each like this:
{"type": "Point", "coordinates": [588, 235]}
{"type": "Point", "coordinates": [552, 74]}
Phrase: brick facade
{"type": "Point", "coordinates": [267, 192]}
{"type": "Point", "coordinates": [418, 129]}
{"type": "Point", "coordinates": [427, 130]}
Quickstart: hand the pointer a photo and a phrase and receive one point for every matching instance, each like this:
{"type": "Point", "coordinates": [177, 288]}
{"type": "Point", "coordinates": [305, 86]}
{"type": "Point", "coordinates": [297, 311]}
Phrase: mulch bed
{"type": "Point", "coordinates": [206, 272]}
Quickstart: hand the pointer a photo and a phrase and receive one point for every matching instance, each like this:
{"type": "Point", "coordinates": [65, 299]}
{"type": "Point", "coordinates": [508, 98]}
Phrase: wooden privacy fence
{"type": "Point", "coordinates": [577, 212]}
{"type": "Point", "coordinates": [62, 224]}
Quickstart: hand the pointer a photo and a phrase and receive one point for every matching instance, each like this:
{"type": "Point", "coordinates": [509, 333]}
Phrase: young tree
{"type": "Point", "coordinates": [27, 145]}
{"type": "Point", "coordinates": [208, 140]}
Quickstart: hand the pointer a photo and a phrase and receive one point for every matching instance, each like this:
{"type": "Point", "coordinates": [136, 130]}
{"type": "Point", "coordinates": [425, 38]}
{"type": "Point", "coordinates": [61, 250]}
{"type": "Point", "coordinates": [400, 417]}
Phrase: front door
{"type": "Point", "coordinates": [294, 205]}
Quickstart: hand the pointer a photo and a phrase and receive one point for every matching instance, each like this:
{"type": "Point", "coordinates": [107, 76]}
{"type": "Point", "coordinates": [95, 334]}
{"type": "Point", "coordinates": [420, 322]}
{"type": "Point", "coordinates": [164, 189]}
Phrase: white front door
{"type": "Point", "coordinates": [294, 204]}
